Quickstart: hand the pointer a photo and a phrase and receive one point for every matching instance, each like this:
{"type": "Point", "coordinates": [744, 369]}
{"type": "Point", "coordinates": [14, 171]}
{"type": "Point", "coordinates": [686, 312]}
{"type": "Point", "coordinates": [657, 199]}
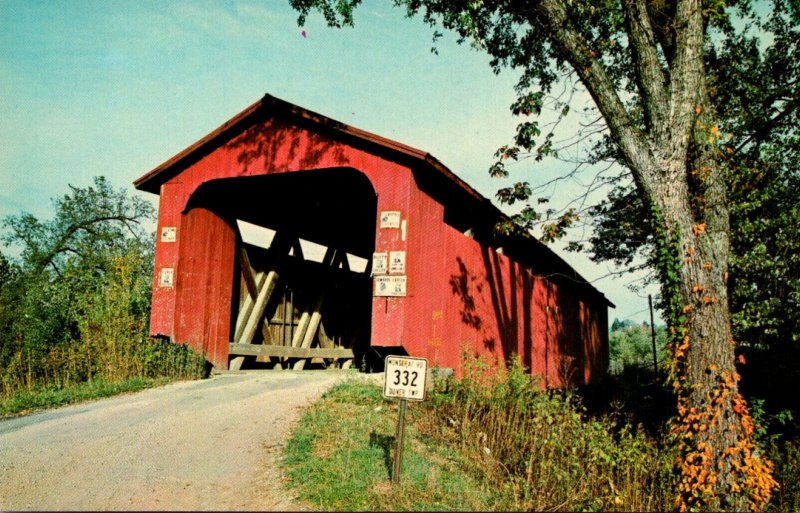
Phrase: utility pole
{"type": "Point", "coordinates": [653, 334]}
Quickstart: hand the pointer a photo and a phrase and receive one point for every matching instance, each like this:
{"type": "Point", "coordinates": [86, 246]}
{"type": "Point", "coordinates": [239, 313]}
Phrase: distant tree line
{"type": "Point", "coordinates": [630, 345]}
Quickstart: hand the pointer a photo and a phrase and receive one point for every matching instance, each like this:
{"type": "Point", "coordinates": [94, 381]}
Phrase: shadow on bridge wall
{"type": "Point", "coordinates": [274, 143]}
{"type": "Point", "coordinates": [554, 332]}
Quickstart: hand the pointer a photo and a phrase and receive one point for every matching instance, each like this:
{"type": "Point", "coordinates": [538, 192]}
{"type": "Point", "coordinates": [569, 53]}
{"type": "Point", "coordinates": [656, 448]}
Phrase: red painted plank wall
{"type": "Point", "coordinates": [460, 294]}
{"type": "Point", "coordinates": [272, 146]}
{"type": "Point", "coordinates": [204, 285]}
{"type": "Point", "coordinates": [465, 296]}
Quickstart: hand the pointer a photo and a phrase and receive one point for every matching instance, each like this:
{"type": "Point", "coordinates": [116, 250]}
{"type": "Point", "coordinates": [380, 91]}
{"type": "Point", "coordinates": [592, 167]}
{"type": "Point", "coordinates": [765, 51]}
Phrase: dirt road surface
{"type": "Point", "coordinates": [195, 445]}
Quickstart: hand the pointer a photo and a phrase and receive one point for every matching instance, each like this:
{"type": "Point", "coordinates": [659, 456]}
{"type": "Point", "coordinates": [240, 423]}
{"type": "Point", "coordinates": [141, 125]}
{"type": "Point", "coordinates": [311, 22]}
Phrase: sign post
{"type": "Point", "coordinates": [399, 437]}
{"type": "Point", "coordinates": [404, 379]}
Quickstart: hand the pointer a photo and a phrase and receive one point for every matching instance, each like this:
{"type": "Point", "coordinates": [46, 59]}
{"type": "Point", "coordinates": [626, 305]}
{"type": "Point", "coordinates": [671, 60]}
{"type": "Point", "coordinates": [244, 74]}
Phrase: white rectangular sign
{"type": "Point", "coordinates": [166, 277]}
{"type": "Point", "coordinates": [390, 286]}
{"type": "Point", "coordinates": [379, 263]}
{"type": "Point", "coordinates": [397, 262]}
{"type": "Point", "coordinates": [404, 377]}
{"type": "Point", "coordinates": [390, 219]}
{"type": "Point", "coordinates": [169, 234]}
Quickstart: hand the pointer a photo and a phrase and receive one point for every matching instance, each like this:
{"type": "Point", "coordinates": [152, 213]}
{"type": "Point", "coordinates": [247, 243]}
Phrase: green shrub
{"type": "Point", "coordinates": [786, 457]}
{"type": "Point", "coordinates": [111, 342]}
{"type": "Point", "coordinates": [75, 303]}
{"type": "Point", "coordinates": [541, 446]}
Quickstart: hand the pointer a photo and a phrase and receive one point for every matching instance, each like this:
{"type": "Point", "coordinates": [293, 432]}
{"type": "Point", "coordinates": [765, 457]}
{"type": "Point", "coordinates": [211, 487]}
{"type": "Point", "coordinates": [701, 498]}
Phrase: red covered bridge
{"type": "Point", "coordinates": [405, 257]}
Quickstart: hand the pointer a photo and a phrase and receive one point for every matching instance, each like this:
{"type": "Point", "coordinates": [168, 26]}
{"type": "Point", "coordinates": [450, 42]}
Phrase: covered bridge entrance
{"type": "Point", "coordinates": [290, 306]}
{"type": "Point", "coordinates": [288, 239]}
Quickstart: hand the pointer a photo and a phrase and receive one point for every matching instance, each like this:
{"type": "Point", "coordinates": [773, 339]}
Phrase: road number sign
{"type": "Point", "coordinates": [405, 377]}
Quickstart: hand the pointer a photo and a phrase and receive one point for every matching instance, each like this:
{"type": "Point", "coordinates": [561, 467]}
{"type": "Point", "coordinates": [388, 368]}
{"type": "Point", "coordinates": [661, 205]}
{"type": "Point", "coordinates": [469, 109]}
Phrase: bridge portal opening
{"type": "Point", "coordinates": [302, 291]}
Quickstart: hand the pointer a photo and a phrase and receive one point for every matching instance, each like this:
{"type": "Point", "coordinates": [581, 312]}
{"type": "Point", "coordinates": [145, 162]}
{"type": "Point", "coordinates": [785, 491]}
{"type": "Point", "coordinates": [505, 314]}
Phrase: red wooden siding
{"type": "Point", "coordinates": [204, 284]}
{"type": "Point", "coordinates": [462, 295]}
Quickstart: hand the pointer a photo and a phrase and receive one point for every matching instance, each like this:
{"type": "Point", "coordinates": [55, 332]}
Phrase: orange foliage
{"type": "Point", "coordinates": [698, 229]}
{"type": "Point", "coordinates": [750, 476]}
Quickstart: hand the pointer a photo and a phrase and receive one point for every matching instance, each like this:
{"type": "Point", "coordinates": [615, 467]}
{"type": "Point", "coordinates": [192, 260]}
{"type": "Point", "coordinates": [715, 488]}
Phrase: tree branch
{"type": "Point", "coordinates": [762, 131]}
{"type": "Point", "coordinates": [571, 47]}
{"type": "Point", "coordinates": [650, 76]}
{"type": "Point", "coordinates": [58, 247]}
{"type": "Point", "coordinates": [686, 77]}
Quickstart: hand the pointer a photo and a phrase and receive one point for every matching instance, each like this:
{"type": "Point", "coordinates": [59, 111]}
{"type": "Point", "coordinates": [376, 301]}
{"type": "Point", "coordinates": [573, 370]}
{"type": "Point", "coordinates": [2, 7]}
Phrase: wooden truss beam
{"type": "Point", "coordinates": [290, 352]}
{"type": "Point", "coordinates": [259, 291]}
{"type": "Point", "coordinates": [258, 288]}
{"type": "Point", "coordinates": [333, 259]}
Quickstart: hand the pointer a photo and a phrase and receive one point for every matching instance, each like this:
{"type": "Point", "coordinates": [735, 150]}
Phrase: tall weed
{"type": "Point", "coordinates": [542, 446]}
{"type": "Point", "coordinates": [786, 456]}
{"type": "Point", "coordinates": [111, 342]}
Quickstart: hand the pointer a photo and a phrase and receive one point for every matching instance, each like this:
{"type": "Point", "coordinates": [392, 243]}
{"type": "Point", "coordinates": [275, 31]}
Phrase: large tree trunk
{"type": "Point", "coordinates": [702, 369]}
{"type": "Point", "coordinates": [719, 467]}
{"type": "Point", "coordinates": [675, 165]}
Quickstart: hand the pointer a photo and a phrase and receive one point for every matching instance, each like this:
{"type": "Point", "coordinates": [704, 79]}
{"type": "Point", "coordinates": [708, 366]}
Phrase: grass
{"type": "Point", "coordinates": [27, 401]}
{"type": "Point", "coordinates": [491, 441]}
{"type": "Point", "coordinates": [340, 458]}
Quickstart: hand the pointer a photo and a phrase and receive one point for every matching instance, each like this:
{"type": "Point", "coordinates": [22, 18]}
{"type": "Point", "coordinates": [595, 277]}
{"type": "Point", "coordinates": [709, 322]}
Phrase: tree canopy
{"type": "Point", "coordinates": [755, 92]}
{"type": "Point", "coordinates": [87, 223]}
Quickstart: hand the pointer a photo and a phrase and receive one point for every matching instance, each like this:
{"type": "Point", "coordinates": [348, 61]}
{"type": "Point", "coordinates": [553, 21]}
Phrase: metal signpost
{"type": "Point", "coordinates": [404, 379]}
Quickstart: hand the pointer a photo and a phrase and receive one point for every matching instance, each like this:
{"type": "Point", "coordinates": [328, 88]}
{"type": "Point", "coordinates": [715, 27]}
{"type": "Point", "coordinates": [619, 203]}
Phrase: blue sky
{"type": "Point", "coordinates": [115, 88]}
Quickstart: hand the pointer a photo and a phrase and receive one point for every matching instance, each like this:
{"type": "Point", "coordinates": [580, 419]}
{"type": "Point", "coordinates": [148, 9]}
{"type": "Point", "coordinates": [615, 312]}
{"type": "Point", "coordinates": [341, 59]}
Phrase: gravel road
{"type": "Point", "coordinates": [192, 445]}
